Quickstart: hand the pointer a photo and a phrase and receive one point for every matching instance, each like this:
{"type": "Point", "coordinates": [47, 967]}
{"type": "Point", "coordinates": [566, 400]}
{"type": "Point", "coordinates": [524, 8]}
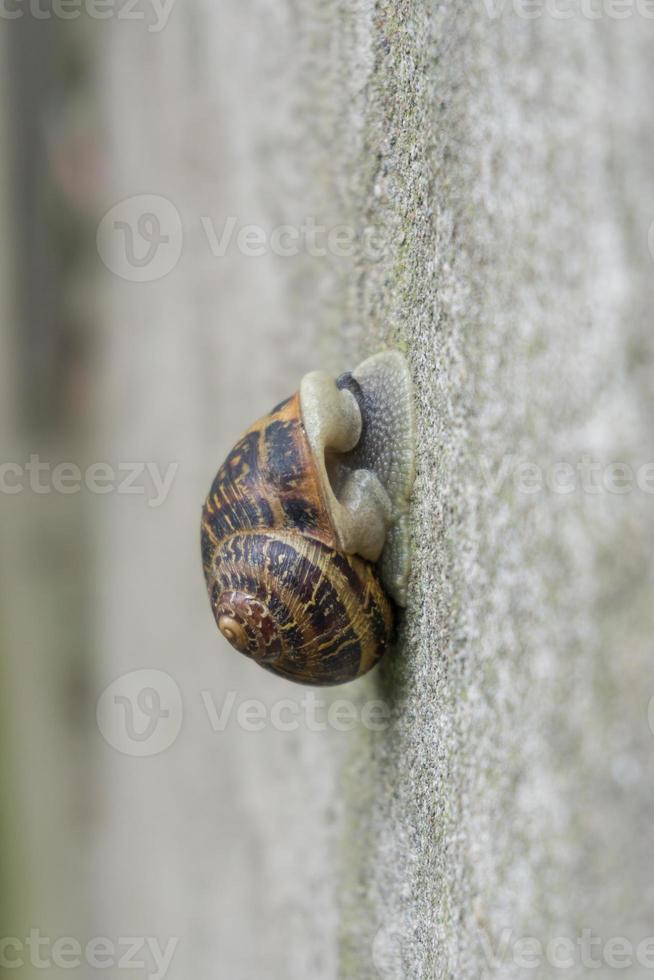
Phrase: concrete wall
{"type": "Point", "coordinates": [497, 174]}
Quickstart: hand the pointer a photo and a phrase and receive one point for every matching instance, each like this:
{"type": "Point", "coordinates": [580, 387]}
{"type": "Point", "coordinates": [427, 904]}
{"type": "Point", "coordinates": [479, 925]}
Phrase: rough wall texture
{"type": "Point", "coordinates": [502, 166]}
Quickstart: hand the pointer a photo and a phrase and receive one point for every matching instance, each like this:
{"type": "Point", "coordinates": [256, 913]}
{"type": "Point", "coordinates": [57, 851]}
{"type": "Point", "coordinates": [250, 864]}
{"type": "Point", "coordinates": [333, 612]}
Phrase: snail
{"type": "Point", "coordinates": [305, 538]}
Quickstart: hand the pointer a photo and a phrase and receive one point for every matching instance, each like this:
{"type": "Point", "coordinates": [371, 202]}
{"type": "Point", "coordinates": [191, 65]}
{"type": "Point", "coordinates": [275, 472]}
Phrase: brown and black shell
{"type": "Point", "coordinates": [280, 590]}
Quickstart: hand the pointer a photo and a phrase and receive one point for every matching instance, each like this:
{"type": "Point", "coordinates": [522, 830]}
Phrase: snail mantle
{"type": "Point", "coordinates": [305, 536]}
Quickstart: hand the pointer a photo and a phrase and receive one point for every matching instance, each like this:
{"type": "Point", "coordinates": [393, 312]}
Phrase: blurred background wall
{"type": "Point", "coordinates": [198, 205]}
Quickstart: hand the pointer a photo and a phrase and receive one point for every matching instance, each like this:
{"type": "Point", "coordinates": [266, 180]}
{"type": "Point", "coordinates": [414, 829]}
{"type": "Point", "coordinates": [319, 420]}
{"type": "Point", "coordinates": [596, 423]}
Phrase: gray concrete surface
{"type": "Point", "coordinates": [504, 167]}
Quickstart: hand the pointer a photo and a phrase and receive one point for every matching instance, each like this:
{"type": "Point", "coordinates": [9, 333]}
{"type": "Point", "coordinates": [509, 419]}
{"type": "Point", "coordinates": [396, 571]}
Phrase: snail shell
{"type": "Point", "coordinates": [297, 516]}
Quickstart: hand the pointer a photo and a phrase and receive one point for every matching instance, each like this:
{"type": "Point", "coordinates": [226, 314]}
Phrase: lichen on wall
{"type": "Point", "coordinates": [502, 165]}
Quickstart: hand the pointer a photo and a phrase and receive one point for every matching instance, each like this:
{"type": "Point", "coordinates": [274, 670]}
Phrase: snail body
{"type": "Point", "coordinates": [291, 531]}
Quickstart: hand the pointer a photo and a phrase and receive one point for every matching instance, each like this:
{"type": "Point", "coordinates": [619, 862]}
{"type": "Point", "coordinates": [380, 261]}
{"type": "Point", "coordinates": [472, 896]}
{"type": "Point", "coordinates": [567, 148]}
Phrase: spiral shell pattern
{"type": "Point", "coordinates": [299, 608]}
{"type": "Point", "coordinates": [280, 591]}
